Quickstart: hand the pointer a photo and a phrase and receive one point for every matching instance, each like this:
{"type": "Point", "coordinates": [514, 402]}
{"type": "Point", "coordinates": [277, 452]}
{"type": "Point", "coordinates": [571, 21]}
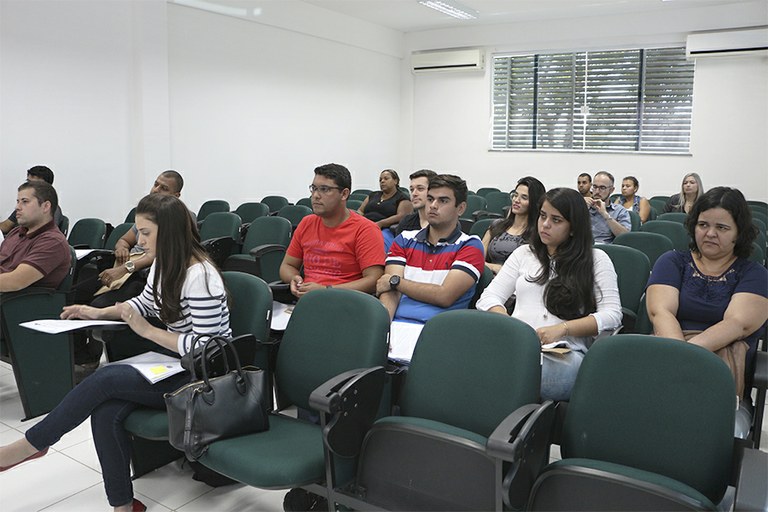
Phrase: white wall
{"type": "Point", "coordinates": [451, 111]}
{"type": "Point", "coordinates": [254, 108]}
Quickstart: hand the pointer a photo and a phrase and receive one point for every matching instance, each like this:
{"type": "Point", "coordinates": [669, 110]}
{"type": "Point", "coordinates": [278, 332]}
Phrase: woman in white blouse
{"type": "Point", "coordinates": [186, 291]}
{"type": "Point", "coordinates": [565, 288]}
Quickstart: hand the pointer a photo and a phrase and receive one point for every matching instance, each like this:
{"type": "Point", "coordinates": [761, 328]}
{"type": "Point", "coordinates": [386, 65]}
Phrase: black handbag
{"type": "Point", "coordinates": [214, 408]}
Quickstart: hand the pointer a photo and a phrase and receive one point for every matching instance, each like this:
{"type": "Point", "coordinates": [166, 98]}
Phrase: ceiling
{"type": "Point", "coordinates": [410, 16]}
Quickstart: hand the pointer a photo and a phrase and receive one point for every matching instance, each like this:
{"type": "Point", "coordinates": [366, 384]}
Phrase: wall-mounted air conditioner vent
{"type": "Point", "coordinates": [732, 42]}
{"type": "Point", "coordinates": [456, 59]}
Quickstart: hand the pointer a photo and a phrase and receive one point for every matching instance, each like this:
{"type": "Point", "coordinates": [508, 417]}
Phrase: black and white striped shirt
{"type": "Point", "coordinates": [203, 305]}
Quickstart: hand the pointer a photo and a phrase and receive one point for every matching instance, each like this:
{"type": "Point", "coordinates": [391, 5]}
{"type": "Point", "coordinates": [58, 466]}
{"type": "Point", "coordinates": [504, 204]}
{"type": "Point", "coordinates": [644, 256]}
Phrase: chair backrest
{"type": "Point", "coordinates": [485, 279]}
{"type": "Point", "coordinates": [673, 216]}
{"type": "Point", "coordinates": [484, 191]}
{"type": "Point", "coordinates": [363, 191]}
{"type": "Point", "coordinates": [658, 205]}
{"type": "Point", "coordinates": [330, 331]}
{"type": "Point", "coordinates": [275, 202]}
{"type": "Point", "coordinates": [131, 217]}
{"type": "Point", "coordinates": [267, 230]}
{"type": "Point", "coordinates": [218, 224]}
{"type": "Point", "coordinates": [496, 201]}
{"type": "Point", "coordinates": [758, 253]}
{"type": "Point", "coordinates": [250, 300]}
{"type": "Point", "coordinates": [89, 233]}
{"type": "Point", "coordinates": [69, 279]}
{"type": "Point", "coordinates": [760, 215]}
{"type": "Point", "coordinates": [116, 234]}
{"type": "Point", "coordinates": [64, 225]}
{"type": "Point", "coordinates": [212, 206]}
{"type": "Point", "coordinates": [474, 203]}
{"type": "Point", "coordinates": [632, 270]}
{"type": "Point", "coordinates": [657, 405]}
{"type": "Point", "coordinates": [357, 197]}
{"type": "Point", "coordinates": [653, 213]}
{"type": "Point", "coordinates": [471, 368]}
{"type": "Point", "coordinates": [294, 213]}
{"type": "Point", "coordinates": [675, 231]}
{"type": "Point", "coordinates": [759, 205]}
{"type": "Point", "coordinates": [305, 201]}
{"type": "Point", "coordinates": [353, 204]}
{"type": "Point", "coordinates": [652, 245]}
{"type": "Point", "coordinates": [659, 198]}
{"type": "Point", "coordinates": [249, 211]}
{"type": "Point", "coordinates": [480, 227]}
{"type": "Point", "coordinates": [635, 219]}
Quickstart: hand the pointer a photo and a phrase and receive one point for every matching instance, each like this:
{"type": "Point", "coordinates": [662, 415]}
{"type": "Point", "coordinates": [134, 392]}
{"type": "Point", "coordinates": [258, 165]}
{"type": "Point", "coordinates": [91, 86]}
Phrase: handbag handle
{"type": "Point", "coordinates": [191, 353]}
{"type": "Point", "coordinates": [223, 344]}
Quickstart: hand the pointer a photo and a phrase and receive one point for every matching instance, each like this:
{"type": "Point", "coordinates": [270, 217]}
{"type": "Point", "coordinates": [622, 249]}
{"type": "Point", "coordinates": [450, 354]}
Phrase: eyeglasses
{"type": "Point", "coordinates": [323, 189]}
{"type": "Point", "coordinates": [601, 188]}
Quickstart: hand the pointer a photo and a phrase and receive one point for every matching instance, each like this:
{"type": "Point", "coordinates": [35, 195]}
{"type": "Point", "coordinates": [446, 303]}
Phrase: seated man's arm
{"type": "Point", "coordinates": [290, 272]}
{"type": "Point", "coordinates": [389, 297]}
{"type": "Point", "coordinates": [367, 283]}
{"type": "Point", "coordinates": [455, 284]}
{"type": "Point", "coordinates": [123, 247]}
{"type": "Point", "coordinates": [21, 277]}
{"type": "Point", "coordinates": [6, 226]}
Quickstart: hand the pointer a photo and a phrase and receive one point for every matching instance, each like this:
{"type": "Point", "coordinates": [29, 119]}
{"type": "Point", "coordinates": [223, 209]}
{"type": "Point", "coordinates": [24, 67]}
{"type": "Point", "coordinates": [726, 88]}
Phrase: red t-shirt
{"type": "Point", "coordinates": [47, 250]}
{"type": "Point", "coordinates": [337, 255]}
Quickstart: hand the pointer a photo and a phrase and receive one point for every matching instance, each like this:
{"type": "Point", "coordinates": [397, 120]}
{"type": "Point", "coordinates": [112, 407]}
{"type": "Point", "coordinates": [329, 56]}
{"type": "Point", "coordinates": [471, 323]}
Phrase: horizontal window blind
{"type": "Point", "coordinates": [613, 100]}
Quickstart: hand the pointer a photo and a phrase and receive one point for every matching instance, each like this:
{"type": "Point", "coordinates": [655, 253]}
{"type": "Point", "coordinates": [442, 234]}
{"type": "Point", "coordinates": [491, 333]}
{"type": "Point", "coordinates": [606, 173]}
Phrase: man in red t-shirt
{"type": "Point", "coordinates": [336, 246]}
{"type": "Point", "coordinates": [35, 253]}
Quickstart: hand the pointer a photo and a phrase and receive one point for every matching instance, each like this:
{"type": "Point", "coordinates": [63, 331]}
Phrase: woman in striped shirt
{"type": "Point", "coordinates": [186, 292]}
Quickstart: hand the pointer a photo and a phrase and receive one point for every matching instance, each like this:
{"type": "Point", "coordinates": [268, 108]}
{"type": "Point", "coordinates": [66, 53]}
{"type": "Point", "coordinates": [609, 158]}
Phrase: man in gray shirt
{"type": "Point", "coordinates": [608, 220]}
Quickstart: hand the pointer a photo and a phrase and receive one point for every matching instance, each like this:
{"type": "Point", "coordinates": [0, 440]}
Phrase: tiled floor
{"type": "Point", "coordinates": [69, 478]}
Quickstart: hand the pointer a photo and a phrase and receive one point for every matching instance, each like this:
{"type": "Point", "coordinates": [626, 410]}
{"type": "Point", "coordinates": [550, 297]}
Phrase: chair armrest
{"type": "Point", "coordinates": [352, 399]}
{"type": "Point", "coordinates": [30, 290]}
{"type": "Point", "coordinates": [751, 491]}
{"type": "Point", "coordinates": [260, 250]}
{"type": "Point", "coordinates": [761, 370]}
{"type": "Point", "coordinates": [523, 439]}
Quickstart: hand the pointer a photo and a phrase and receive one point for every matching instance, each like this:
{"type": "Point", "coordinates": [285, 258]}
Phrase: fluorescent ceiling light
{"type": "Point", "coordinates": [451, 8]}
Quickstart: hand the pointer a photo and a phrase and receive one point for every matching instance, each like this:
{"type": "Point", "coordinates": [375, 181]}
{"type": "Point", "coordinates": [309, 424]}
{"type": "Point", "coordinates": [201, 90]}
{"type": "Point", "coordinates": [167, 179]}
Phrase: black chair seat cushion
{"type": "Point", "coordinates": [622, 479]}
{"type": "Point", "coordinates": [289, 454]}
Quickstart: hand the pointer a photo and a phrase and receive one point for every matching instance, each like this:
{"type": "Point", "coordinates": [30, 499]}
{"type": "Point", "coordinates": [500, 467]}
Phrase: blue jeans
{"type": "Point", "coordinates": [558, 373]}
{"type": "Point", "coordinates": [108, 396]}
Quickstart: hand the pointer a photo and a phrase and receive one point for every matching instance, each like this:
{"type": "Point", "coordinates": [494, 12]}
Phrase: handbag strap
{"type": "Point", "coordinates": [197, 340]}
{"type": "Point", "coordinates": [224, 344]}
{"type": "Point", "coordinates": [189, 420]}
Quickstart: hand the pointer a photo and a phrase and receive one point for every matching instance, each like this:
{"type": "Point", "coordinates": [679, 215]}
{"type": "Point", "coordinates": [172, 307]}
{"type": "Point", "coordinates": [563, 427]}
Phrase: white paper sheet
{"type": "Point", "coordinates": [153, 366]}
{"type": "Point", "coordinates": [281, 313]}
{"type": "Point", "coordinates": [402, 340]}
{"type": "Point", "coordinates": [58, 326]}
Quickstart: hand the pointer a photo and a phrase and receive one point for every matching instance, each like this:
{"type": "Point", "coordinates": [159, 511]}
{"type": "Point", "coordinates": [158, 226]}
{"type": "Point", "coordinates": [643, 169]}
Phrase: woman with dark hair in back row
{"type": "Point", "coordinates": [566, 289]}
{"type": "Point", "coordinates": [186, 291]}
{"type": "Point", "coordinates": [506, 235]}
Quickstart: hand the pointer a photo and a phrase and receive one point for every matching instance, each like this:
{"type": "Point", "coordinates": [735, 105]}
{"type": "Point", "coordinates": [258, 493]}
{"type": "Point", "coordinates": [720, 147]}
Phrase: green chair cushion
{"type": "Point", "coordinates": [148, 423]}
{"type": "Point", "coordinates": [433, 425]}
{"type": "Point", "coordinates": [289, 454]}
{"type": "Point", "coordinates": [671, 484]}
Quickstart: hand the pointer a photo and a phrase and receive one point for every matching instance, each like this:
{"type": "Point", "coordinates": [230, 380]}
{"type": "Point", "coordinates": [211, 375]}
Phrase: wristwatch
{"type": "Point", "coordinates": [130, 267]}
{"type": "Point", "coordinates": [394, 282]}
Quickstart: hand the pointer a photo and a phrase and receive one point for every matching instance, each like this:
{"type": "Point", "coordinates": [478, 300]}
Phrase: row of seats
{"type": "Point", "coordinates": [470, 433]}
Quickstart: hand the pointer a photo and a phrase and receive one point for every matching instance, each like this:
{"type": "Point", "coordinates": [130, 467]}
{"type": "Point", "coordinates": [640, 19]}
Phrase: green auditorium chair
{"type": "Point", "coordinates": [211, 206]}
{"type": "Point", "coordinates": [484, 191]}
{"type": "Point", "coordinates": [220, 235]}
{"type": "Point", "coordinates": [659, 198]}
{"type": "Point", "coordinates": [250, 314]}
{"type": "Point", "coordinates": [251, 210]}
{"type": "Point", "coordinates": [275, 203]}
{"type": "Point", "coordinates": [649, 426]}
{"type": "Point", "coordinates": [673, 216]}
{"type": "Point", "coordinates": [480, 227]}
{"type": "Point", "coordinates": [675, 231]}
{"type": "Point", "coordinates": [306, 201]}
{"type": "Point", "coordinates": [658, 205]}
{"type": "Point", "coordinates": [64, 225]}
{"type": "Point", "coordinates": [263, 248]}
{"type": "Point", "coordinates": [652, 245]}
{"type": "Point", "coordinates": [364, 191]}
{"type": "Point", "coordinates": [635, 220]}
{"type": "Point", "coordinates": [632, 270]}
{"type": "Point", "coordinates": [42, 363]}
{"type": "Point", "coordinates": [474, 379]}
{"type": "Point", "coordinates": [354, 204]}
{"type": "Point", "coordinates": [331, 360]}
{"type": "Point", "coordinates": [474, 204]}
{"type": "Point", "coordinates": [294, 213]}
{"type": "Point", "coordinates": [131, 217]}
{"type": "Point", "coordinates": [357, 197]}
{"type": "Point", "coordinates": [498, 202]}
{"type": "Point", "coordinates": [88, 234]}
{"type": "Point", "coordinates": [116, 234]}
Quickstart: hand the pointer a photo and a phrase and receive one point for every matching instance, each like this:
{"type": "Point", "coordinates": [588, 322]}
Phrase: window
{"type": "Point", "coordinates": [616, 100]}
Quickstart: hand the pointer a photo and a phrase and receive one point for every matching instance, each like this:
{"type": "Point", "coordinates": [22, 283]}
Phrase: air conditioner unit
{"type": "Point", "coordinates": [455, 59]}
{"type": "Point", "coordinates": [750, 41]}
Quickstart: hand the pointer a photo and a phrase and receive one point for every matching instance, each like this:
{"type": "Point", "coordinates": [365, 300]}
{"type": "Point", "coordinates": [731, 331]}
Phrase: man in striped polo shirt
{"type": "Point", "coordinates": [431, 270]}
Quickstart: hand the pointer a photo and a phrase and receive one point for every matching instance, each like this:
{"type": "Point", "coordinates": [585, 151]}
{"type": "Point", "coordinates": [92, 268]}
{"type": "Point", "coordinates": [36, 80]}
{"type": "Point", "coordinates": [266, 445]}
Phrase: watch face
{"type": "Point", "coordinates": [129, 266]}
{"type": "Point", "coordinates": [394, 281]}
